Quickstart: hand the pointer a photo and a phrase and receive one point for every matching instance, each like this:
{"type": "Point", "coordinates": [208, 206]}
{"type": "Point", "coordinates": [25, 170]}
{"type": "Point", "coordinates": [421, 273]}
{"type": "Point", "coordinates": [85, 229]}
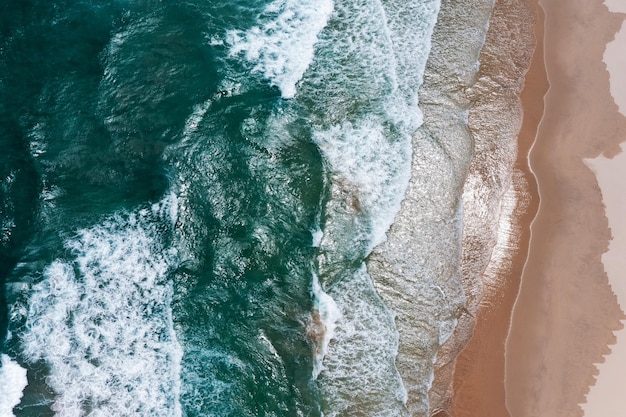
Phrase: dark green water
{"type": "Point", "coordinates": [164, 185]}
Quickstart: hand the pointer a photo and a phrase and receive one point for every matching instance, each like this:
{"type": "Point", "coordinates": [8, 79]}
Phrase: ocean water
{"type": "Point", "coordinates": [190, 193]}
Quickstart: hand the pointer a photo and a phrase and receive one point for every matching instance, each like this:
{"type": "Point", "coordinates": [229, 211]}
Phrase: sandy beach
{"type": "Point", "coordinates": [549, 315]}
{"type": "Point", "coordinates": [606, 397]}
{"type": "Point", "coordinates": [566, 313]}
{"type": "Point", "coordinates": [494, 197]}
{"type": "Point", "coordinates": [479, 376]}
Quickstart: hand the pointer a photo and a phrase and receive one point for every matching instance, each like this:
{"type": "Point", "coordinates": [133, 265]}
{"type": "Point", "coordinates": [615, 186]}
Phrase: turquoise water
{"type": "Point", "coordinates": [182, 186]}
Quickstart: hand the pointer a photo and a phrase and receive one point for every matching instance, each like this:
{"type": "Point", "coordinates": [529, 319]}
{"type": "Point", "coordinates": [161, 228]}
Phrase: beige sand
{"type": "Point", "coordinates": [615, 60]}
{"type": "Point", "coordinates": [606, 397]}
{"type": "Point", "coordinates": [566, 313]}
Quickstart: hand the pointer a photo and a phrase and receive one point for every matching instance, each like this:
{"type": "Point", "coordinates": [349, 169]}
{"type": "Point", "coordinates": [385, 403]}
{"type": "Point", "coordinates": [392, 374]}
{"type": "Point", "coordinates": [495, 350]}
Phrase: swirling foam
{"type": "Point", "coordinates": [329, 314]}
{"type": "Point", "coordinates": [282, 47]}
{"type": "Point", "coordinates": [12, 383]}
{"type": "Point", "coordinates": [101, 320]}
{"type": "Point", "coordinates": [363, 158]}
{"type": "Point", "coordinates": [359, 370]}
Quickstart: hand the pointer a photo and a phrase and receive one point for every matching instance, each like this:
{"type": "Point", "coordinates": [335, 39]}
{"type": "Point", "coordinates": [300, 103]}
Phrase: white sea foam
{"type": "Point", "coordinates": [410, 25]}
{"type": "Point", "coordinates": [317, 235]}
{"type": "Point", "coordinates": [375, 169]}
{"type": "Point", "coordinates": [12, 383]}
{"type": "Point", "coordinates": [194, 119]}
{"type": "Point", "coordinates": [282, 46]}
{"type": "Point", "coordinates": [369, 66]}
{"type": "Point", "coordinates": [359, 371]}
{"type": "Point", "coordinates": [328, 313]}
{"type": "Point", "coordinates": [38, 145]}
{"type": "Point", "coordinates": [101, 320]}
{"type": "Point", "coordinates": [360, 78]}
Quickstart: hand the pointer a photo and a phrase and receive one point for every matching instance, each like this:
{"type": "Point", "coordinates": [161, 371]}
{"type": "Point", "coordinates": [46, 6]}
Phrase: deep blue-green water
{"type": "Point", "coordinates": [183, 184]}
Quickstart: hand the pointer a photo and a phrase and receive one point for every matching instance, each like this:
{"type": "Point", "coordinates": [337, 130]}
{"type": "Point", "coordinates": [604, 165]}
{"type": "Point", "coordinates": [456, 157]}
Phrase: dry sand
{"type": "Point", "coordinates": [606, 397]}
{"type": "Point", "coordinates": [566, 314]}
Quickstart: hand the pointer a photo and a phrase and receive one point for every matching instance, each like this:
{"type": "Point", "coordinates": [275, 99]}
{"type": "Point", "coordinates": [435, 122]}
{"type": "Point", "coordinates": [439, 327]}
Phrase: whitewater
{"type": "Point", "coordinates": [240, 209]}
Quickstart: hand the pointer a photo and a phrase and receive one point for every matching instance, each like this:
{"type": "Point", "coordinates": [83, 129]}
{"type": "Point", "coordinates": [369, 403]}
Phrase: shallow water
{"type": "Point", "coordinates": [190, 192]}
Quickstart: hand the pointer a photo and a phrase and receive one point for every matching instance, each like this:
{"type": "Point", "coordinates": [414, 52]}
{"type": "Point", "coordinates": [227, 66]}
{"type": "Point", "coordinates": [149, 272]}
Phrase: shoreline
{"type": "Point", "coordinates": [416, 271]}
{"type": "Point", "coordinates": [565, 315]}
{"type": "Point", "coordinates": [479, 374]}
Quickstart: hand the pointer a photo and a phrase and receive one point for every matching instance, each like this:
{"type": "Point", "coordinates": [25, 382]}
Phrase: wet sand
{"type": "Point", "coordinates": [493, 188]}
{"type": "Point", "coordinates": [566, 313]}
{"type": "Point", "coordinates": [479, 376]}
